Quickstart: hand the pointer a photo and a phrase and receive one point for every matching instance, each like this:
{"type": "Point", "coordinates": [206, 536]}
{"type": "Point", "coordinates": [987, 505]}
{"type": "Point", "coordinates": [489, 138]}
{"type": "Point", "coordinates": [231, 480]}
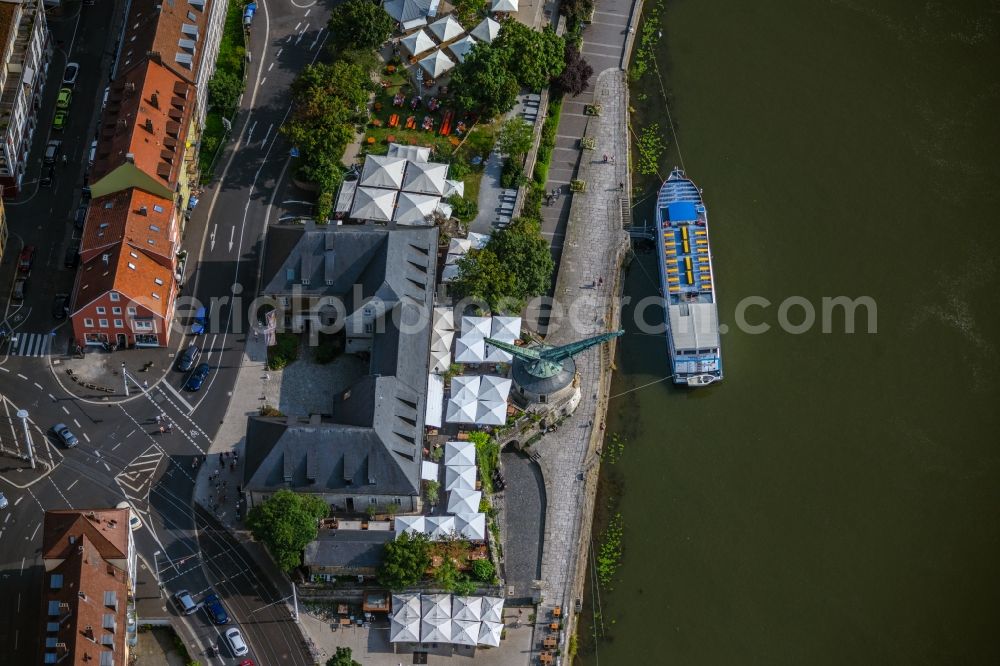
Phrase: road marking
{"type": "Point", "coordinates": [297, 25]}
{"type": "Point", "coordinates": [77, 423]}
{"type": "Point", "coordinates": [18, 500]}
{"type": "Point", "coordinates": [86, 437]}
{"type": "Point", "coordinates": [307, 12]}
{"type": "Point", "coordinates": [39, 386]}
{"type": "Point", "coordinates": [7, 518]}
{"type": "Point", "coordinates": [64, 409]}
{"type": "Point", "coordinates": [266, 134]}
{"type": "Point", "coordinates": [270, 67]}
{"type": "Point", "coordinates": [116, 446]}
{"type": "Point", "coordinates": [52, 397]}
{"type": "Point", "coordinates": [304, 29]}
{"type": "Point", "coordinates": [316, 41]}
{"type": "Point", "coordinates": [278, 53]}
{"type": "Point", "coordinates": [106, 467]}
{"type": "Point", "coordinates": [70, 486]}
{"type": "Point", "coordinates": [5, 369]}
{"type": "Point", "coordinates": [22, 563]}
{"type": "Point", "coordinates": [259, 85]}
{"type": "Point", "coordinates": [33, 534]}
{"type": "Point", "coordinates": [178, 395]}
{"type": "Point", "coordinates": [131, 433]}
{"type": "Point", "coordinates": [21, 376]}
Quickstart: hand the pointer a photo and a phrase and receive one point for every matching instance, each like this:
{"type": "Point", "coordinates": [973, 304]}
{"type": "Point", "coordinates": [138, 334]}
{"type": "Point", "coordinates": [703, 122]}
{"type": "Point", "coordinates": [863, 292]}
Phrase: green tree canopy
{"type": "Point", "coordinates": [484, 571]}
{"type": "Point", "coordinates": [515, 137]}
{"type": "Point", "coordinates": [343, 657]}
{"type": "Point", "coordinates": [534, 57]}
{"type": "Point", "coordinates": [515, 265]}
{"type": "Point", "coordinates": [447, 575]}
{"type": "Point", "coordinates": [484, 82]}
{"type": "Point", "coordinates": [576, 10]}
{"type": "Point", "coordinates": [224, 89]}
{"type": "Point", "coordinates": [574, 78]}
{"type": "Point", "coordinates": [286, 522]}
{"type": "Point", "coordinates": [360, 24]}
{"type": "Point", "coordinates": [404, 561]}
{"type": "Point", "coordinates": [328, 100]}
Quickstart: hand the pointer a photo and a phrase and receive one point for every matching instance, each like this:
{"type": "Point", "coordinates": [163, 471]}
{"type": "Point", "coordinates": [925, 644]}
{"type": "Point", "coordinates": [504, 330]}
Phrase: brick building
{"type": "Point", "coordinates": [90, 567]}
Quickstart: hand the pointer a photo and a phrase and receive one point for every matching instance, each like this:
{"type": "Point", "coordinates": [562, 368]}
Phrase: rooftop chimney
{"type": "Point", "coordinates": [130, 158]}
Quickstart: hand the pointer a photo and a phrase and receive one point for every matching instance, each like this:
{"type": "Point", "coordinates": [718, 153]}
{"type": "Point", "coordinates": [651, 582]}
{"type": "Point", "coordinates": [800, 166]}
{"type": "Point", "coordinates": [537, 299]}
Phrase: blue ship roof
{"type": "Point", "coordinates": [682, 211]}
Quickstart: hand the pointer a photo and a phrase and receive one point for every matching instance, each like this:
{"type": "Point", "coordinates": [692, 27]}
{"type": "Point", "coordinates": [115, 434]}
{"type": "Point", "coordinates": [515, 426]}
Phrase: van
{"type": "Point", "coordinates": [185, 602]}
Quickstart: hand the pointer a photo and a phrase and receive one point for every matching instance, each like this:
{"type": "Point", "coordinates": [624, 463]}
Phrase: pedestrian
{"type": "Point", "coordinates": [612, 159]}
{"type": "Point", "coordinates": [605, 158]}
{"type": "Point", "coordinates": [232, 466]}
{"type": "Point", "coordinates": [220, 459]}
{"type": "Point", "coordinates": [621, 187]}
{"type": "Point", "coordinates": [145, 384]}
{"type": "Point", "coordinates": [162, 430]}
{"type": "Point", "coordinates": [600, 280]}
{"type": "Point", "coordinates": [159, 418]}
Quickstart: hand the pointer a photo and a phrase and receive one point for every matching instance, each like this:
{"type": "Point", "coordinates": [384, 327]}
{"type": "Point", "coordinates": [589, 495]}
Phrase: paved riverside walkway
{"type": "Point", "coordinates": [587, 236]}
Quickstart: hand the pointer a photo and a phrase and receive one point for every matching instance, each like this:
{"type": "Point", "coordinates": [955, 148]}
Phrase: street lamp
{"type": "Point", "coordinates": [125, 378]}
{"type": "Point", "coordinates": [23, 415]}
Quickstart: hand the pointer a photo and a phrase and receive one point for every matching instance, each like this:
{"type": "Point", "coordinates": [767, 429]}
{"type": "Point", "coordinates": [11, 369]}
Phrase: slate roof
{"type": "Point", "coordinates": [372, 442]}
{"type": "Point", "coordinates": [352, 551]}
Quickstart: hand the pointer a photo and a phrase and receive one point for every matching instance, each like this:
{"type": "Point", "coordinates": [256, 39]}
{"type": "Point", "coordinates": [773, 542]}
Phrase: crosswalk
{"type": "Point", "coordinates": [30, 344]}
{"type": "Point", "coordinates": [137, 477]}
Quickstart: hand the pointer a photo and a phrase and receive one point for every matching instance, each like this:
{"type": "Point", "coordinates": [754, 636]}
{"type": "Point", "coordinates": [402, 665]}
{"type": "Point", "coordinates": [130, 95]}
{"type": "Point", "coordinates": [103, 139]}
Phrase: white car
{"type": "Point", "coordinates": [133, 520]}
{"type": "Point", "coordinates": [72, 71]}
{"type": "Point", "coordinates": [3, 501]}
{"type": "Point", "coordinates": [236, 642]}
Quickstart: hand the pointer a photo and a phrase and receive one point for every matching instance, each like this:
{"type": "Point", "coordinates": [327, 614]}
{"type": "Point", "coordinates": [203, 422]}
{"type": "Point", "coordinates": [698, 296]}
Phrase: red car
{"type": "Point", "coordinates": [246, 662]}
{"type": "Point", "coordinates": [26, 259]}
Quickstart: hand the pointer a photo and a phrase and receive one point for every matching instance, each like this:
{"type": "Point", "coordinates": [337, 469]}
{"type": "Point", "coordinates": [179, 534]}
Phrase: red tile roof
{"type": "Point", "coordinates": [130, 273]}
{"type": "Point", "coordinates": [172, 32]}
{"type": "Point", "coordinates": [132, 215]}
{"type": "Point", "coordinates": [145, 122]}
{"type": "Point", "coordinates": [84, 594]}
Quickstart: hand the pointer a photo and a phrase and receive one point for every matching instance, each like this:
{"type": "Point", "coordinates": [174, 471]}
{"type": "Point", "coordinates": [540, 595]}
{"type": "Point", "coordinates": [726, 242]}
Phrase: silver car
{"type": "Point", "coordinates": [65, 436]}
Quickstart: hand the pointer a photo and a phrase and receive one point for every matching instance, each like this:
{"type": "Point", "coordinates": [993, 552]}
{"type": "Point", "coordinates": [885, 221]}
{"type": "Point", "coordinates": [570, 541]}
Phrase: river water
{"type": "Point", "coordinates": [836, 499]}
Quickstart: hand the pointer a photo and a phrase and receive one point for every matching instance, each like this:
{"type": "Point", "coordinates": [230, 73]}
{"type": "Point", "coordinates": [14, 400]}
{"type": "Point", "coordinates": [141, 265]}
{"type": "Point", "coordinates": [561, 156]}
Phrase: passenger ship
{"type": "Point", "coordinates": [686, 283]}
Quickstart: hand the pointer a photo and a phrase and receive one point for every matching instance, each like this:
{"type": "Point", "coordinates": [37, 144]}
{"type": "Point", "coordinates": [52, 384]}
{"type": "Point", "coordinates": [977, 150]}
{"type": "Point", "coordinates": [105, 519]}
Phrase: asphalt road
{"type": "Point", "coordinates": [122, 455]}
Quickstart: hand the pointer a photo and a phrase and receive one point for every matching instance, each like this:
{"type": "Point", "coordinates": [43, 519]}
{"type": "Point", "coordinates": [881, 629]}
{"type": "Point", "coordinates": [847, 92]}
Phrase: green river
{"type": "Point", "coordinates": [836, 500]}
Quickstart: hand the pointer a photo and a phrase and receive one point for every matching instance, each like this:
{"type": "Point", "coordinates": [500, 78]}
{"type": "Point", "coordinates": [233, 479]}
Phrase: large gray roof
{"type": "Point", "coordinates": [372, 442]}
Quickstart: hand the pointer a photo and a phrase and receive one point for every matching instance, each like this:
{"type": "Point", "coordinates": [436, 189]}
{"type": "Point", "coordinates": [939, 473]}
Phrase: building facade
{"type": "Point", "coordinates": [24, 38]}
{"type": "Point", "coordinates": [88, 607]}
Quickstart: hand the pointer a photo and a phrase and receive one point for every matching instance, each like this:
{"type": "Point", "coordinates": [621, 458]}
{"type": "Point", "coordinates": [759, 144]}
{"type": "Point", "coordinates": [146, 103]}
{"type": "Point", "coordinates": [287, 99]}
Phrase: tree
{"type": "Point", "coordinates": [576, 10]}
{"type": "Point", "coordinates": [534, 57]}
{"type": "Point", "coordinates": [360, 24]}
{"type": "Point", "coordinates": [404, 561]}
{"type": "Point", "coordinates": [468, 12]}
{"type": "Point", "coordinates": [286, 522]}
{"type": "Point", "coordinates": [224, 89]}
{"type": "Point", "coordinates": [447, 576]}
{"type": "Point", "coordinates": [344, 80]}
{"type": "Point", "coordinates": [343, 657]}
{"type": "Point", "coordinates": [432, 490]}
{"type": "Point", "coordinates": [515, 264]}
{"type": "Point", "coordinates": [484, 82]}
{"type": "Point", "coordinates": [575, 76]}
{"type": "Point", "coordinates": [484, 571]}
{"type": "Point", "coordinates": [516, 136]}
{"type": "Point", "coordinates": [465, 586]}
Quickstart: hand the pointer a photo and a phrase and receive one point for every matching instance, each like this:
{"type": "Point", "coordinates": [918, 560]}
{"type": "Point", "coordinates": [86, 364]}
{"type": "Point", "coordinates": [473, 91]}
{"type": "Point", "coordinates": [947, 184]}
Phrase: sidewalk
{"type": "Point", "coordinates": [97, 374]}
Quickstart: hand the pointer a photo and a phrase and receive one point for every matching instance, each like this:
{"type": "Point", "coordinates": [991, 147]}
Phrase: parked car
{"type": "Point", "coordinates": [46, 179]}
{"type": "Point", "coordinates": [93, 153]}
{"type": "Point", "coordinates": [215, 609]}
{"type": "Point", "coordinates": [3, 501]}
{"type": "Point", "coordinates": [20, 286]}
{"type": "Point", "coordinates": [72, 256]}
{"type": "Point", "coordinates": [104, 100]}
{"type": "Point", "coordinates": [133, 520]}
{"type": "Point", "coordinates": [198, 377]}
{"type": "Point", "coordinates": [236, 642]}
{"type": "Point", "coordinates": [187, 358]}
{"type": "Point", "coordinates": [59, 120]}
{"type": "Point", "coordinates": [52, 151]}
{"type": "Point", "coordinates": [185, 602]}
{"type": "Point", "coordinates": [70, 73]}
{"type": "Point", "coordinates": [64, 98]}
{"type": "Point", "coordinates": [246, 662]}
{"type": "Point", "coordinates": [198, 326]}
{"type": "Point", "coordinates": [60, 306]}
{"type": "Point", "coordinates": [26, 258]}
{"type": "Point", "coordinates": [68, 439]}
{"type": "Point", "coordinates": [81, 216]}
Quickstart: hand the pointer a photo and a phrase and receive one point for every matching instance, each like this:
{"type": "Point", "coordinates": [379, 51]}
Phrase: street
{"type": "Point", "coordinates": [122, 454]}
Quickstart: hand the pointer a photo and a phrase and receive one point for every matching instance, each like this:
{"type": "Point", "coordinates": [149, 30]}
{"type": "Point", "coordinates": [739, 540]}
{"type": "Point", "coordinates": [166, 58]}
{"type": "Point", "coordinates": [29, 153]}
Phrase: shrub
{"type": "Point", "coordinates": [464, 209]}
{"type": "Point", "coordinates": [512, 174]}
{"type": "Point", "coordinates": [283, 351]}
{"type": "Point", "coordinates": [484, 570]}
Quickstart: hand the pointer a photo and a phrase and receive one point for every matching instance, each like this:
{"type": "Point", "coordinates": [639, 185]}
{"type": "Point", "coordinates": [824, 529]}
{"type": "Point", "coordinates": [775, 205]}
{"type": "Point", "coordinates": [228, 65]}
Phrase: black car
{"type": "Point", "coordinates": [72, 256]}
{"type": "Point", "coordinates": [81, 216]}
{"type": "Point", "coordinates": [187, 358]}
{"type": "Point", "coordinates": [60, 306]}
{"type": "Point", "coordinates": [198, 377]}
{"type": "Point", "coordinates": [215, 609]}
